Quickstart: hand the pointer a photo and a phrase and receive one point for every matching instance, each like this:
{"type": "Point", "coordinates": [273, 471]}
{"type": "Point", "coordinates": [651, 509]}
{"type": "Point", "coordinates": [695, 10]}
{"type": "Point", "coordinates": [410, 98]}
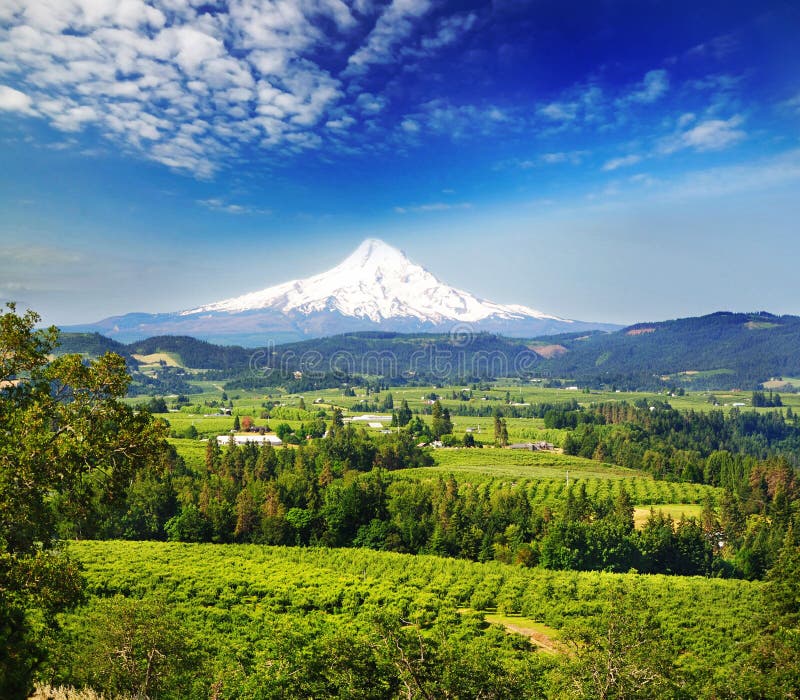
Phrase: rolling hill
{"type": "Point", "coordinates": [720, 350]}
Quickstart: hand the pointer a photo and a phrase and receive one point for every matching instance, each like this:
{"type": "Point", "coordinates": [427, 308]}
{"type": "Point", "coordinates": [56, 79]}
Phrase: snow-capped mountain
{"type": "Point", "coordinates": [379, 283]}
{"type": "Point", "coordinates": [375, 288]}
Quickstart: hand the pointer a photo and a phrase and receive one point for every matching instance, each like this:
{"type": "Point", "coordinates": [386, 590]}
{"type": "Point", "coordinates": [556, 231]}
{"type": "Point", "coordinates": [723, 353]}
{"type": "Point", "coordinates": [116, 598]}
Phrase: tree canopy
{"type": "Point", "coordinates": [64, 433]}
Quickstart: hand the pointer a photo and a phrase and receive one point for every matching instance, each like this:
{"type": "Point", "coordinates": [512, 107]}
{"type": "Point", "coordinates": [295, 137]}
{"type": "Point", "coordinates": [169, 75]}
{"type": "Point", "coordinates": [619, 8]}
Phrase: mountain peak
{"type": "Point", "coordinates": [373, 254]}
{"type": "Point", "coordinates": [375, 283]}
{"type": "Point", "coordinates": [376, 286]}
{"type": "Point", "coordinates": [371, 248]}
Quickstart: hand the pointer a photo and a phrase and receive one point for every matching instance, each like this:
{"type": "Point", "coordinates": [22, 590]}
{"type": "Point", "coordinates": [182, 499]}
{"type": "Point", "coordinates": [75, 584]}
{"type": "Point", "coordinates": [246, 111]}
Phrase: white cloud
{"type": "Point", "coordinates": [392, 27]}
{"type": "Point", "coordinates": [708, 135]}
{"type": "Point", "coordinates": [560, 111]}
{"type": "Point", "coordinates": [371, 104]}
{"type": "Point", "coordinates": [622, 162]}
{"type": "Point", "coordinates": [440, 116]}
{"type": "Point", "coordinates": [191, 88]}
{"type": "Point", "coordinates": [341, 123]}
{"type": "Point", "coordinates": [12, 100]}
{"type": "Point", "coordinates": [654, 84]}
{"type": "Point", "coordinates": [450, 29]}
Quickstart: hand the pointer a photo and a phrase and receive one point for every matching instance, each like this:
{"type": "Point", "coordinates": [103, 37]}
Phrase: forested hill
{"type": "Point", "coordinates": [190, 352]}
{"type": "Point", "coordinates": [91, 344]}
{"type": "Point", "coordinates": [720, 350]}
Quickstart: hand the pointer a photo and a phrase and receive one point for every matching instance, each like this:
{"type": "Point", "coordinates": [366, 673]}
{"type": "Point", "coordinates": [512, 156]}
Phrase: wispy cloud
{"type": "Point", "coordinates": [792, 104]}
{"type": "Point", "coordinates": [434, 206]}
{"type": "Point", "coordinates": [622, 162]}
{"type": "Point", "coordinates": [654, 84]}
{"type": "Point", "coordinates": [759, 175]}
{"type": "Point", "coordinates": [708, 135]}
{"type": "Point", "coordinates": [718, 48]}
{"type": "Point", "coordinates": [393, 26]}
{"type": "Point", "coordinates": [560, 111]}
{"type": "Point", "coordinates": [220, 205]}
{"type": "Point", "coordinates": [441, 116]}
{"type": "Point", "coordinates": [765, 174]}
{"type": "Point", "coordinates": [550, 158]}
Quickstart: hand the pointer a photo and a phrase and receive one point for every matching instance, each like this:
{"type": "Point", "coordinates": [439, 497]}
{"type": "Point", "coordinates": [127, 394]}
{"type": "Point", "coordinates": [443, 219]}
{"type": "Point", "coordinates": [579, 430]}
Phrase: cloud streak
{"type": "Point", "coordinates": [432, 207]}
{"type": "Point", "coordinates": [220, 205]}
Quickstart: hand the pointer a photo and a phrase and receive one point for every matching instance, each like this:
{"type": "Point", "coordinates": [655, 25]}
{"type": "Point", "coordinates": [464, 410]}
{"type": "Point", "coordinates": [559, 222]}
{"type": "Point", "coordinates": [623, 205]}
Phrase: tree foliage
{"type": "Point", "coordinates": [66, 434]}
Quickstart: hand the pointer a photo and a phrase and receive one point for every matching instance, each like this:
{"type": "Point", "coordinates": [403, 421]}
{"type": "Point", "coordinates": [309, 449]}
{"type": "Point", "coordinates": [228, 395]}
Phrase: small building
{"type": "Point", "coordinates": [273, 440]}
{"type": "Point", "coordinates": [538, 446]}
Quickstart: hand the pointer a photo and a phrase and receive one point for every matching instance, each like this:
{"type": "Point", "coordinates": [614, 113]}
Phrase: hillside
{"type": "Point", "coordinates": [717, 351]}
{"type": "Point", "coordinates": [714, 351]}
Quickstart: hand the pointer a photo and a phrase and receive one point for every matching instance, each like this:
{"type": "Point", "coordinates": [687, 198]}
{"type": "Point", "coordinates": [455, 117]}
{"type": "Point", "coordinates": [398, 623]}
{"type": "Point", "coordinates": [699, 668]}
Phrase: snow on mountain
{"type": "Point", "coordinates": [376, 288]}
{"type": "Point", "coordinates": [376, 282]}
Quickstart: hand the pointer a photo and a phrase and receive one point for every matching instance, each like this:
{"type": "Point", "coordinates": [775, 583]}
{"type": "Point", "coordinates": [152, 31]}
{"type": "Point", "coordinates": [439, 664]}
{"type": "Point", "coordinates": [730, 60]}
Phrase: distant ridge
{"type": "Point", "coordinates": [375, 288]}
{"type": "Point", "coordinates": [723, 350]}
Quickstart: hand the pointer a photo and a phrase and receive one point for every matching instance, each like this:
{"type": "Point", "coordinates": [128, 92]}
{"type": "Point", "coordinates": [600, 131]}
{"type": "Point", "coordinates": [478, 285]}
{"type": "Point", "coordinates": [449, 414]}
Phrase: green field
{"type": "Point", "coordinates": [677, 511]}
{"type": "Point", "coordinates": [520, 464]}
{"type": "Point", "coordinates": [232, 593]}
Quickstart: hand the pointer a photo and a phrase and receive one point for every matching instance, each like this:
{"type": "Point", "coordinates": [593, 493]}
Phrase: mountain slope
{"type": "Point", "coordinates": [376, 287]}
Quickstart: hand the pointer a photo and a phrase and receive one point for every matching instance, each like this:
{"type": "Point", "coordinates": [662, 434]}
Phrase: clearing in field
{"type": "Point", "coordinates": [544, 637]}
{"type": "Point", "coordinates": [156, 360]}
{"type": "Point", "coordinates": [677, 511]}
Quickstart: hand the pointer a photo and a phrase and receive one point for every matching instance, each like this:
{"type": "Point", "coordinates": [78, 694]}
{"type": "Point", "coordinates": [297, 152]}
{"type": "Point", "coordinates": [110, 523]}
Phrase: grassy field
{"type": "Point", "coordinates": [676, 511]}
{"type": "Point", "coordinates": [155, 359]}
{"type": "Point", "coordinates": [545, 638]}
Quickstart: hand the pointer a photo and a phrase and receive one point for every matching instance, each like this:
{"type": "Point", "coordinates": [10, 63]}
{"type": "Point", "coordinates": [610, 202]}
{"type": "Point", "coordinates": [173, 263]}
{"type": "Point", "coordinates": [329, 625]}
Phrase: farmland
{"type": "Point", "coordinates": [249, 607]}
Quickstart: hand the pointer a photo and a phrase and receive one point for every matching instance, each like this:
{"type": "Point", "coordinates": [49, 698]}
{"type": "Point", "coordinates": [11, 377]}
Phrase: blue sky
{"type": "Point", "coordinates": [608, 161]}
